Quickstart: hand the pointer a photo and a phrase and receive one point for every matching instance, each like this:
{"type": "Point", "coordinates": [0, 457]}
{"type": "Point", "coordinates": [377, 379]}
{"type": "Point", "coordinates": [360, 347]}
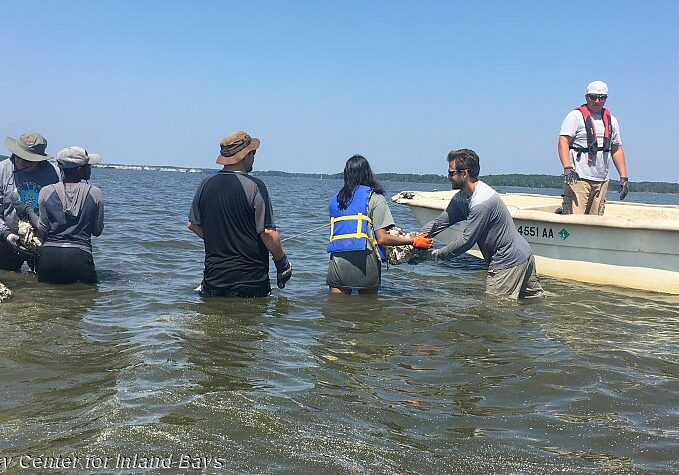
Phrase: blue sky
{"type": "Point", "coordinates": [161, 82]}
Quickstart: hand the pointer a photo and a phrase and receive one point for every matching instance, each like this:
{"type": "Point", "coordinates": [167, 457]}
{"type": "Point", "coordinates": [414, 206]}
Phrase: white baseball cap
{"type": "Point", "coordinates": [74, 157]}
{"type": "Point", "coordinates": [597, 87]}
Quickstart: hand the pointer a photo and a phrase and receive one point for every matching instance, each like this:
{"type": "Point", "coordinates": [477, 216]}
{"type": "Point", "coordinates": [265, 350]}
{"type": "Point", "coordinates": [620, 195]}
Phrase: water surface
{"type": "Point", "coordinates": [431, 376]}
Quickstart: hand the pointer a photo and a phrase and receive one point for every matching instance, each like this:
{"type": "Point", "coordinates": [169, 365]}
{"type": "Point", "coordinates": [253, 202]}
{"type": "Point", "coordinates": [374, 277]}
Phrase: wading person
{"type": "Point", "coordinates": [359, 220]}
{"type": "Point", "coordinates": [21, 177]}
{"type": "Point", "coordinates": [589, 137]}
{"type": "Point", "coordinates": [511, 265]}
{"type": "Point", "coordinates": [232, 213]}
{"type": "Point", "coordinates": [71, 212]}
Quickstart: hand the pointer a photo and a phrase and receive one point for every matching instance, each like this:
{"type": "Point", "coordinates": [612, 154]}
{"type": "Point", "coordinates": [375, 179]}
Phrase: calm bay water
{"type": "Point", "coordinates": [431, 376]}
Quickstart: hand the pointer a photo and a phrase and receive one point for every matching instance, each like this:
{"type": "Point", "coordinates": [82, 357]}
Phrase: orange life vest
{"type": "Point", "coordinates": [592, 143]}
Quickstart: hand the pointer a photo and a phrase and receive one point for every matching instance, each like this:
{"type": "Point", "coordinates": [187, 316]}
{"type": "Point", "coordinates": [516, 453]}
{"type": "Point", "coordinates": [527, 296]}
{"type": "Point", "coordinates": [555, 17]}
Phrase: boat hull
{"type": "Point", "coordinates": [623, 249]}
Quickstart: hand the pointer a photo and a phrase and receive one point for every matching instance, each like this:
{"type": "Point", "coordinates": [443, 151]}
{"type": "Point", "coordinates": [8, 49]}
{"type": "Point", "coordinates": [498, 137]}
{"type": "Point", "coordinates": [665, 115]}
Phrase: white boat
{"type": "Point", "coordinates": [632, 245]}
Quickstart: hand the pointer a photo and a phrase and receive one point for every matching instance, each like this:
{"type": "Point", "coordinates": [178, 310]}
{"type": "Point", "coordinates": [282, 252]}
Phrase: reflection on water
{"type": "Point", "coordinates": [429, 376]}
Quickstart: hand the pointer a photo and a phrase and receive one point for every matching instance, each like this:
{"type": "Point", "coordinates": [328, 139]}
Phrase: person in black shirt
{"type": "Point", "coordinates": [232, 213]}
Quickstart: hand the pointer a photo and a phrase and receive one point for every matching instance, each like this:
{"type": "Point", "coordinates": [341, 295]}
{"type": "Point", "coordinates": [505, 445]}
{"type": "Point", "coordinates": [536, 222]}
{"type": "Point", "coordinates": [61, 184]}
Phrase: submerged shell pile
{"type": "Point", "coordinates": [5, 293]}
{"type": "Point", "coordinates": [27, 237]}
{"type": "Point", "coordinates": [400, 254]}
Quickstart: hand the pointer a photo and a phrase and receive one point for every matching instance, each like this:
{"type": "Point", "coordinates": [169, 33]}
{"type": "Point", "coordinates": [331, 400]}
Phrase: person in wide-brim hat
{"type": "Point", "coordinates": [21, 177]}
{"type": "Point", "coordinates": [233, 215]}
{"type": "Point", "coordinates": [29, 146]}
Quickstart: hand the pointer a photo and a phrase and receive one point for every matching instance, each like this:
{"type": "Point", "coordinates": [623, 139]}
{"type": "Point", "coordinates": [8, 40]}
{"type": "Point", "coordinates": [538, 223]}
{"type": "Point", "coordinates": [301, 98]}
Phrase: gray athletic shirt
{"type": "Point", "coordinates": [489, 225]}
{"type": "Point", "coordinates": [70, 213]}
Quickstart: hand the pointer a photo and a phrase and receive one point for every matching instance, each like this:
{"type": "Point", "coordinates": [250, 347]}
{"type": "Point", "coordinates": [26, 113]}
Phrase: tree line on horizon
{"type": "Point", "coordinates": [512, 179]}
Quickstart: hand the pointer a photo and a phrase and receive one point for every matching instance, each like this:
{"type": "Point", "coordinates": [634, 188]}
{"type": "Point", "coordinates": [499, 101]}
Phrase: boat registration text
{"type": "Point", "coordinates": [537, 231]}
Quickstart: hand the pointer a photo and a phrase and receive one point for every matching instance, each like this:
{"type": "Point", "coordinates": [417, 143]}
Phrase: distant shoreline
{"type": "Point", "coordinates": [514, 179]}
{"type": "Point", "coordinates": [153, 168]}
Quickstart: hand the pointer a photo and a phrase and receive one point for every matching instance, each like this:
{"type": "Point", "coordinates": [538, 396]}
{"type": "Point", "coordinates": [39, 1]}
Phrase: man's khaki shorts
{"type": "Point", "coordinates": [585, 197]}
{"type": "Point", "coordinates": [516, 282]}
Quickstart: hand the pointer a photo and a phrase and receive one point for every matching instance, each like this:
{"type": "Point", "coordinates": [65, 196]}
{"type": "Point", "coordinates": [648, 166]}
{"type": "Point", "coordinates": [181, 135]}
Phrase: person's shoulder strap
{"type": "Point", "coordinates": [606, 117]}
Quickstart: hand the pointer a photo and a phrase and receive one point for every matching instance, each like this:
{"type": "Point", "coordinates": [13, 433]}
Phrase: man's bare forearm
{"type": "Point", "coordinates": [272, 240]}
{"type": "Point", "coordinates": [564, 151]}
{"type": "Point", "coordinates": [619, 160]}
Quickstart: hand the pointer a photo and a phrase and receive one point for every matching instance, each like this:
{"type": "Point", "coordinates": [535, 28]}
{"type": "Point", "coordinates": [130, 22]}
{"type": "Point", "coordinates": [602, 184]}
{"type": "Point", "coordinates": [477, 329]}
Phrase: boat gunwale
{"type": "Point", "coordinates": [671, 225]}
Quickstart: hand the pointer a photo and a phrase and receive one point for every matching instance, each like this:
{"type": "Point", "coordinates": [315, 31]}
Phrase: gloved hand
{"type": "Point", "coordinates": [13, 240]}
{"type": "Point", "coordinates": [570, 177]}
{"type": "Point", "coordinates": [624, 185]}
{"type": "Point", "coordinates": [423, 241]}
{"type": "Point", "coordinates": [22, 209]}
{"type": "Point", "coordinates": [283, 271]}
{"type": "Point", "coordinates": [26, 212]}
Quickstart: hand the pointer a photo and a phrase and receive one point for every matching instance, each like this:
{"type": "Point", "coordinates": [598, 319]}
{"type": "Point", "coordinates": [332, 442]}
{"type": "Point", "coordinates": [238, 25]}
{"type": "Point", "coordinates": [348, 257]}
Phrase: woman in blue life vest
{"type": "Point", "coordinates": [359, 220]}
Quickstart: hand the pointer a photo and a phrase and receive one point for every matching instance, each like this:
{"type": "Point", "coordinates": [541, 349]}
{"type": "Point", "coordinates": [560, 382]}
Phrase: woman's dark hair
{"type": "Point", "coordinates": [357, 172]}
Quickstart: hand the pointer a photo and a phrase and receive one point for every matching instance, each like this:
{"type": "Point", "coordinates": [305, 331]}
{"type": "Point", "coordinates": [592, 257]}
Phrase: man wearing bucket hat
{"type": "Point", "coordinates": [232, 213]}
{"type": "Point", "coordinates": [589, 136]}
{"type": "Point", "coordinates": [21, 178]}
{"type": "Point", "coordinates": [71, 212]}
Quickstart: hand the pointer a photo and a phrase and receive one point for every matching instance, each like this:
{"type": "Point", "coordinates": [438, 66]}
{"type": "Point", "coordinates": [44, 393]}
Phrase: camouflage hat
{"type": "Point", "coordinates": [235, 147]}
{"type": "Point", "coordinates": [74, 157]}
{"type": "Point", "coordinates": [31, 146]}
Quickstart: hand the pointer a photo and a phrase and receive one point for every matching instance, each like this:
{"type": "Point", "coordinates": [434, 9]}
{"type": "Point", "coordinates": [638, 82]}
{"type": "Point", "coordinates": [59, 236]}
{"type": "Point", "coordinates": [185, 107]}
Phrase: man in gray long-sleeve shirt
{"type": "Point", "coordinates": [511, 265]}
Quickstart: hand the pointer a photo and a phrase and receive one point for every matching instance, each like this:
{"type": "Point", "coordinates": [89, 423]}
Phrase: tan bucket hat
{"type": "Point", "coordinates": [31, 146]}
{"type": "Point", "coordinates": [235, 147]}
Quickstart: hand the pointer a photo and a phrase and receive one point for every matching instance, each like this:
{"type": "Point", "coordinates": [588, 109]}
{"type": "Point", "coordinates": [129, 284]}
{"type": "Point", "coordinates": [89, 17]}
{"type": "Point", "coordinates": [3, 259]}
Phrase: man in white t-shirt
{"type": "Point", "coordinates": [589, 137]}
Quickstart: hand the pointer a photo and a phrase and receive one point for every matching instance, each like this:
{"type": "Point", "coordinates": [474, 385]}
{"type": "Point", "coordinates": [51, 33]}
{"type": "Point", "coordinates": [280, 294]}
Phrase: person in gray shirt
{"type": "Point", "coordinates": [511, 265]}
{"type": "Point", "coordinates": [22, 176]}
{"type": "Point", "coordinates": [70, 213]}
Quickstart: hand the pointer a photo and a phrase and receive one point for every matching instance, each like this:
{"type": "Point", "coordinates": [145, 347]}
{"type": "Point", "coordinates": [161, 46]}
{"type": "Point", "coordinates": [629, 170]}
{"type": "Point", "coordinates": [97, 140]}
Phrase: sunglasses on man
{"type": "Point", "coordinates": [597, 97]}
{"type": "Point", "coordinates": [452, 173]}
